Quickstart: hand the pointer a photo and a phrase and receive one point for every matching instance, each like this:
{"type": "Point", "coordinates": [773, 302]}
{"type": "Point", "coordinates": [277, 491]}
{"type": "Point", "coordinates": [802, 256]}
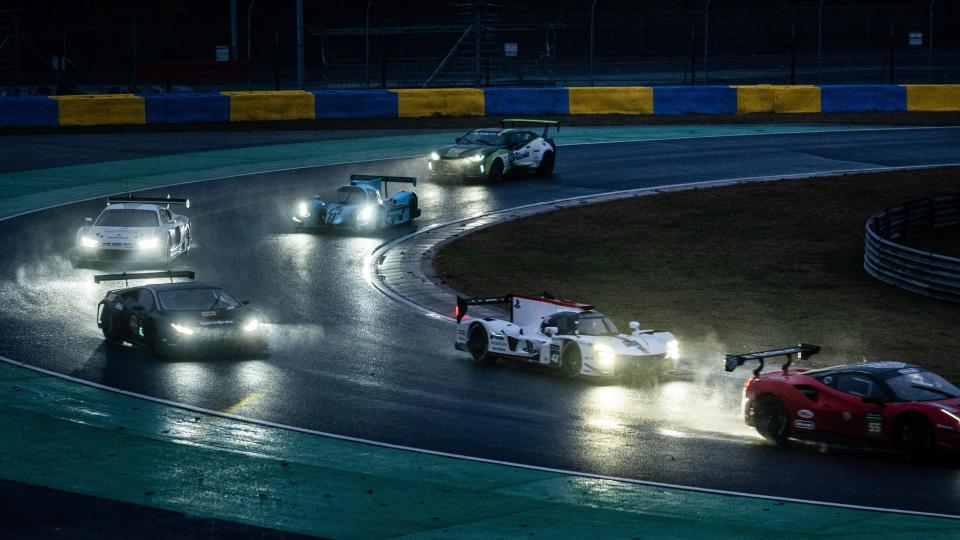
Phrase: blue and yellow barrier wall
{"type": "Point", "coordinates": [183, 108]}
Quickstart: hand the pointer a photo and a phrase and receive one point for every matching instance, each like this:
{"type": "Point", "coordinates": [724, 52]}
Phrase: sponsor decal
{"type": "Point", "coordinates": [118, 306]}
{"type": "Point", "coordinates": [874, 424]}
{"type": "Point", "coordinates": [208, 313]}
{"type": "Point", "coordinates": [554, 353]}
{"type": "Point", "coordinates": [631, 343]}
{"type": "Point", "coordinates": [520, 154]}
{"type": "Point", "coordinates": [216, 323]}
{"type": "Point", "coordinates": [804, 424]}
{"type": "Point", "coordinates": [805, 413]}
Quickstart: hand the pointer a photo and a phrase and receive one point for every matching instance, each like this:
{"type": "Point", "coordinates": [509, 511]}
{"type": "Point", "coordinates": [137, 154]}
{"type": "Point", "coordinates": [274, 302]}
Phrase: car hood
{"type": "Point", "coordinates": [211, 317]}
{"type": "Point", "coordinates": [642, 345]}
{"type": "Point", "coordinates": [120, 233]}
{"type": "Point", "coordinates": [457, 151]}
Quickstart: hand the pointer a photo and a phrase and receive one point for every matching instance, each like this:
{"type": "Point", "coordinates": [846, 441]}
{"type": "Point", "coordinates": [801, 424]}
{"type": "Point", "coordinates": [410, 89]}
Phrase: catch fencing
{"type": "Point", "coordinates": [887, 257]}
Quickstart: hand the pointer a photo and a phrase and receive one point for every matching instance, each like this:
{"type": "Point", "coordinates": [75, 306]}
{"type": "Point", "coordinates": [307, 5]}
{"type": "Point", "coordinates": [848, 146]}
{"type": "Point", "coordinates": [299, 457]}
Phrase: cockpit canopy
{"type": "Point", "coordinates": [586, 323]}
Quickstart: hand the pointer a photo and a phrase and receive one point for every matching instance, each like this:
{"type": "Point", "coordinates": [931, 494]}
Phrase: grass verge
{"type": "Point", "coordinates": [728, 269]}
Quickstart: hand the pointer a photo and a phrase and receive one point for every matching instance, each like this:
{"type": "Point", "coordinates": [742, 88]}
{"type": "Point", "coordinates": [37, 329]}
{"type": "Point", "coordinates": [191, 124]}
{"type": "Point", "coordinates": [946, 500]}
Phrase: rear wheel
{"type": "Point", "coordinates": [546, 164]}
{"type": "Point", "coordinates": [110, 332]}
{"type": "Point", "coordinates": [478, 342]}
{"type": "Point", "coordinates": [914, 436]}
{"type": "Point", "coordinates": [496, 171]}
{"type": "Point", "coordinates": [571, 361]}
{"type": "Point", "coordinates": [771, 419]}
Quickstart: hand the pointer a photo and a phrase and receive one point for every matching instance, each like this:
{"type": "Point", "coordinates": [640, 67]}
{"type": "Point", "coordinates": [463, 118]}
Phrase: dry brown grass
{"type": "Point", "coordinates": [737, 268]}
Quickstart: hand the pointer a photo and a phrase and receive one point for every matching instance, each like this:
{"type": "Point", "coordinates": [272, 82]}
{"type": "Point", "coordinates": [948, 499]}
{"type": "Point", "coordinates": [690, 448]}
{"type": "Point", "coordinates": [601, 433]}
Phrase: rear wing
{"type": "Point", "coordinates": [148, 200]}
{"type": "Point", "coordinates": [126, 277]}
{"type": "Point", "coordinates": [524, 310]}
{"type": "Point", "coordinates": [547, 124]}
{"type": "Point", "coordinates": [380, 182]}
{"type": "Point", "coordinates": [803, 350]}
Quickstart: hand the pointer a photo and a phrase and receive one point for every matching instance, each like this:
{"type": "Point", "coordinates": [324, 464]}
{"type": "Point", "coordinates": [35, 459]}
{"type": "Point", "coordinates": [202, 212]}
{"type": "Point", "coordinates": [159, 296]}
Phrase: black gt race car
{"type": "Point", "coordinates": [177, 317]}
{"type": "Point", "coordinates": [492, 153]}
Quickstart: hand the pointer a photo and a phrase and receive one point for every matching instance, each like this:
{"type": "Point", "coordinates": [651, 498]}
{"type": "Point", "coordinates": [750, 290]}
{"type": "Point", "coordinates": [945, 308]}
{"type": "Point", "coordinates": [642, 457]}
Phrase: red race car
{"type": "Point", "coordinates": [887, 403]}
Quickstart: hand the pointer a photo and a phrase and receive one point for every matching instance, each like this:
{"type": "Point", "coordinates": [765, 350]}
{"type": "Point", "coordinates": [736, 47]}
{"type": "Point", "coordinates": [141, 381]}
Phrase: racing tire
{"type": "Point", "coordinates": [414, 207]}
{"type": "Point", "coordinates": [478, 343]}
{"type": "Point", "coordinates": [166, 258]}
{"type": "Point", "coordinates": [913, 435]}
{"type": "Point", "coordinates": [545, 168]}
{"type": "Point", "coordinates": [771, 419]}
{"type": "Point", "coordinates": [571, 362]}
{"type": "Point", "coordinates": [109, 332]}
{"type": "Point", "coordinates": [496, 171]}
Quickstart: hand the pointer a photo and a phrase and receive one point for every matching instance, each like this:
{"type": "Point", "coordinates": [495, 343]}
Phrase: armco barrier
{"type": "Point", "coordinates": [28, 111]}
{"type": "Point", "coordinates": [862, 98]}
{"type": "Point", "coordinates": [694, 99]}
{"type": "Point", "coordinates": [274, 105]}
{"type": "Point", "coordinates": [508, 101]}
{"type": "Point", "coordinates": [355, 104]}
{"type": "Point", "coordinates": [422, 102]}
{"type": "Point", "coordinates": [187, 108]}
{"type": "Point", "coordinates": [180, 108]}
{"type": "Point", "coordinates": [102, 109]}
{"type": "Point", "coordinates": [915, 270]}
{"type": "Point", "coordinates": [611, 100]}
{"type": "Point", "coordinates": [933, 97]}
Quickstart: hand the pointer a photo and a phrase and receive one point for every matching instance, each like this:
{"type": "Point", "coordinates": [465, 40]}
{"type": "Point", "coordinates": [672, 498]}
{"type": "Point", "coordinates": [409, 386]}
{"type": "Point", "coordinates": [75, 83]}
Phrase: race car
{"type": "Point", "coordinates": [568, 336]}
{"type": "Point", "coordinates": [177, 317]}
{"type": "Point", "coordinates": [364, 204]}
{"type": "Point", "coordinates": [136, 229]}
{"type": "Point", "coordinates": [492, 153]}
{"type": "Point", "coordinates": [886, 403]}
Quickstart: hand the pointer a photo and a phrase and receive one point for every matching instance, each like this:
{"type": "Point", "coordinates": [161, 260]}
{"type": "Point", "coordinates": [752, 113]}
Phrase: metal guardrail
{"type": "Point", "coordinates": [921, 272]}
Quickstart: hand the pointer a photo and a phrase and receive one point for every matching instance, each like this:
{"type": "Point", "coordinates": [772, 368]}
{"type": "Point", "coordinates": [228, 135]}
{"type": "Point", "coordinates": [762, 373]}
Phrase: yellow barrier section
{"type": "Point", "coordinates": [611, 100]}
{"type": "Point", "coordinates": [272, 105]}
{"type": "Point", "coordinates": [421, 102]}
{"type": "Point", "coordinates": [754, 99]}
{"type": "Point", "coordinates": [933, 97]}
{"type": "Point", "coordinates": [101, 110]}
{"type": "Point", "coordinates": [767, 98]}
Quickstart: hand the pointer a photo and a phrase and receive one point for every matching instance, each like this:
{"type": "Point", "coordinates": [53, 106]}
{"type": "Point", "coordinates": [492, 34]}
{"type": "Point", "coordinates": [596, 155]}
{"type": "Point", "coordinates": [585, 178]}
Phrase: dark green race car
{"type": "Point", "coordinates": [492, 153]}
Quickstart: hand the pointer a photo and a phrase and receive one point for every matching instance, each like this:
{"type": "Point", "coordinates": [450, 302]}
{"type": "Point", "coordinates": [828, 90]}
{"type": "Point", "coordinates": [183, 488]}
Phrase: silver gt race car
{"type": "Point", "coordinates": [136, 229]}
{"type": "Point", "coordinates": [568, 336]}
{"type": "Point", "coordinates": [492, 153]}
{"type": "Point", "coordinates": [364, 204]}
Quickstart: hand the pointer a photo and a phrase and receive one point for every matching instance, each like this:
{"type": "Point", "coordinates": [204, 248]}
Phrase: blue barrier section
{"type": "Point", "coordinates": [186, 107]}
{"type": "Point", "coordinates": [28, 111]}
{"type": "Point", "coordinates": [694, 99]}
{"type": "Point", "coordinates": [355, 104]}
{"type": "Point", "coordinates": [503, 101]}
{"type": "Point", "coordinates": [862, 97]}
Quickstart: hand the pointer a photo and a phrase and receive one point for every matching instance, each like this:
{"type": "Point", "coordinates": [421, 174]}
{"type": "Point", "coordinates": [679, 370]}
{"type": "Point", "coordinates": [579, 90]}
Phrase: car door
{"type": "Point", "coordinates": [843, 411]}
{"type": "Point", "coordinates": [140, 304]}
{"type": "Point", "coordinates": [522, 149]}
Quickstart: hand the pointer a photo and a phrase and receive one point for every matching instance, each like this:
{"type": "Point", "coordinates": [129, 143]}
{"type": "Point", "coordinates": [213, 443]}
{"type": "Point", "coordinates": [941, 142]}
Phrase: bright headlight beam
{"type": "Point", "coordinates": [303, 210]}
{"type": "Point", "coordinates": [182, 329]}
{"type": "Point", "coordinates": [365, 213]}
{"type": "Point", "coordinates": [434, 156]}
{"type": "Point", "coordinates": [605, 355]}
{"type": "Point", "coordinates": [251, 325]}
{"type": "Point", "coordinates": [86, 241]}
{"type": "Point", "coordinates": [148, 243]}
{"type": "Point", "coordinates": [476, 158]}
{"type": "Point", "coordinates": [673, 348]}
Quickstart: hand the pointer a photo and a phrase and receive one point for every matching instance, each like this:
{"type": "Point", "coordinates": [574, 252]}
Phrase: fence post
{"type": "Point", "coordinates": [893, 48]}
{"type": "Point", "coordinates": [300, 61]}
{"type": "Point", "coordinates": [366, 47]}
{"type": "Point", "coordinates": [930, 43]}
{"type": "Point", "coordinates": [706, 41]}
{"type": "Point", "coordinates": [276, 59]}
{"type": "Point", "coordinates": [793, 53]}
{"type": "Point", "coordinates": [820, 41]}
{"type": "Point", "coordinates": [693, 55]}
{"type": "Point", "coordinates": [593, 9]}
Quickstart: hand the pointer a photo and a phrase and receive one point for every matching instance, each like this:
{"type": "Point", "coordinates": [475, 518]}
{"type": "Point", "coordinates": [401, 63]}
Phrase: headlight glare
{"type": "Point", "coordinates": [365, 213]}
{"type": "Point", "coordinates": [477, 158]}
{"type": "Point", "coordinates": [605, 355]}
{"type": "Point", "coordinates": [86, 241]}
{"type": "Point", "coordinates": [251, 325]}
{"type": "Point", "coordinates": [303, 210]}
{"type": "Point", "coordinates": [182, 329]}
{"type": "Point", "coordinates": [673, 349]}
{"type": "Point", "coordinates": [148, 243]}
{"type": "Point", "coordinates": [434, 156]}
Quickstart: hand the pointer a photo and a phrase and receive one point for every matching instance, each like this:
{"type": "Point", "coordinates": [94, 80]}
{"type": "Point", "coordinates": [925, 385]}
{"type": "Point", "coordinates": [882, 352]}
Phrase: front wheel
{"type": "Point", "coordinates": [109, 332]}
{"type": "Point", "coordinates": [478, 343]}
{"type": "Point", "coordinates": [496, 171]}
{"type": "Point", "coordinates": [571, 361]}
{"type": "Point", "coordinates": [771, 419]}
{"type": "Point", "coordinates": [913, 436]}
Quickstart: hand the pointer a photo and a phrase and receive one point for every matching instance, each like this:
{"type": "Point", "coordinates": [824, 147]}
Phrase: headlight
{"type": "Point", "coordinates": [148, 243]}
{"type": "Point", "coordinates": [673, 349]}
{"type": "Point", "coordinates": [251, 325]}
{"type": "Point", "coordinates": [605, 355]}
{"type": "Point", "coordinates": [303, 210]}
{"type": "Point", "coordinates": [86, 241]}
{"type": "Point", "coordinates": [182, 329]}
{"type": "Point", "coordinates": [434, 156]}
{"type": "Point", "coordinates": [477, 158]}
{"type": "Point", "coordinates": [365, 213]}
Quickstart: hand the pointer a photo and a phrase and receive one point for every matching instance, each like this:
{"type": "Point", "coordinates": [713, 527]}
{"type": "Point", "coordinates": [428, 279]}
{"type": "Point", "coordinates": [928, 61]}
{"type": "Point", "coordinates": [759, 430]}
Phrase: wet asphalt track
{"type": "Point", "coordinates": [347, 360]}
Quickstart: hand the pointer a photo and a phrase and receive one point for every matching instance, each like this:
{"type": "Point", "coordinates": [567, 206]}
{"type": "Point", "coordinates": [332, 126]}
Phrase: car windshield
{"type": "Point", "coordinates": [350, 195]}
{"type": "Point", "coordinates": [596, 325]}
{"type": "Point", "coordinates": [917, 385]}
{"type": "Point", "coordinates": [489, 138]}
{"type": "Point", "coordinates": [196, 299]}
{"type": "Point", "coordinates": [125, 217]}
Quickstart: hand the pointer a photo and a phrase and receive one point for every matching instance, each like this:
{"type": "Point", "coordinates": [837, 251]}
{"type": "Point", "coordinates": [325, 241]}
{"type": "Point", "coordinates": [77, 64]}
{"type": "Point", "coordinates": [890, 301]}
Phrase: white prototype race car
{"type": "Point", "coordinates": [568, 336]}
{"type": "Point", "coordinates": [136, 229]}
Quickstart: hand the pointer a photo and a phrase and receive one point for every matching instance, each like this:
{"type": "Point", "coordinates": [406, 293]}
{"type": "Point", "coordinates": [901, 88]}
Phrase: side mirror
{"type": "Point", "coordinates": [874, 401]}
{"type": "Point", "coordinates": [138, 307]}
{"type": "Point", "coordinates": [634, 325]}
{"type": "Point", "coordinates": [89, 221]}
{"type": "Point", "coordinates": [551, 331]}
{"type": "Point", "coordinates": [244, 302]}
